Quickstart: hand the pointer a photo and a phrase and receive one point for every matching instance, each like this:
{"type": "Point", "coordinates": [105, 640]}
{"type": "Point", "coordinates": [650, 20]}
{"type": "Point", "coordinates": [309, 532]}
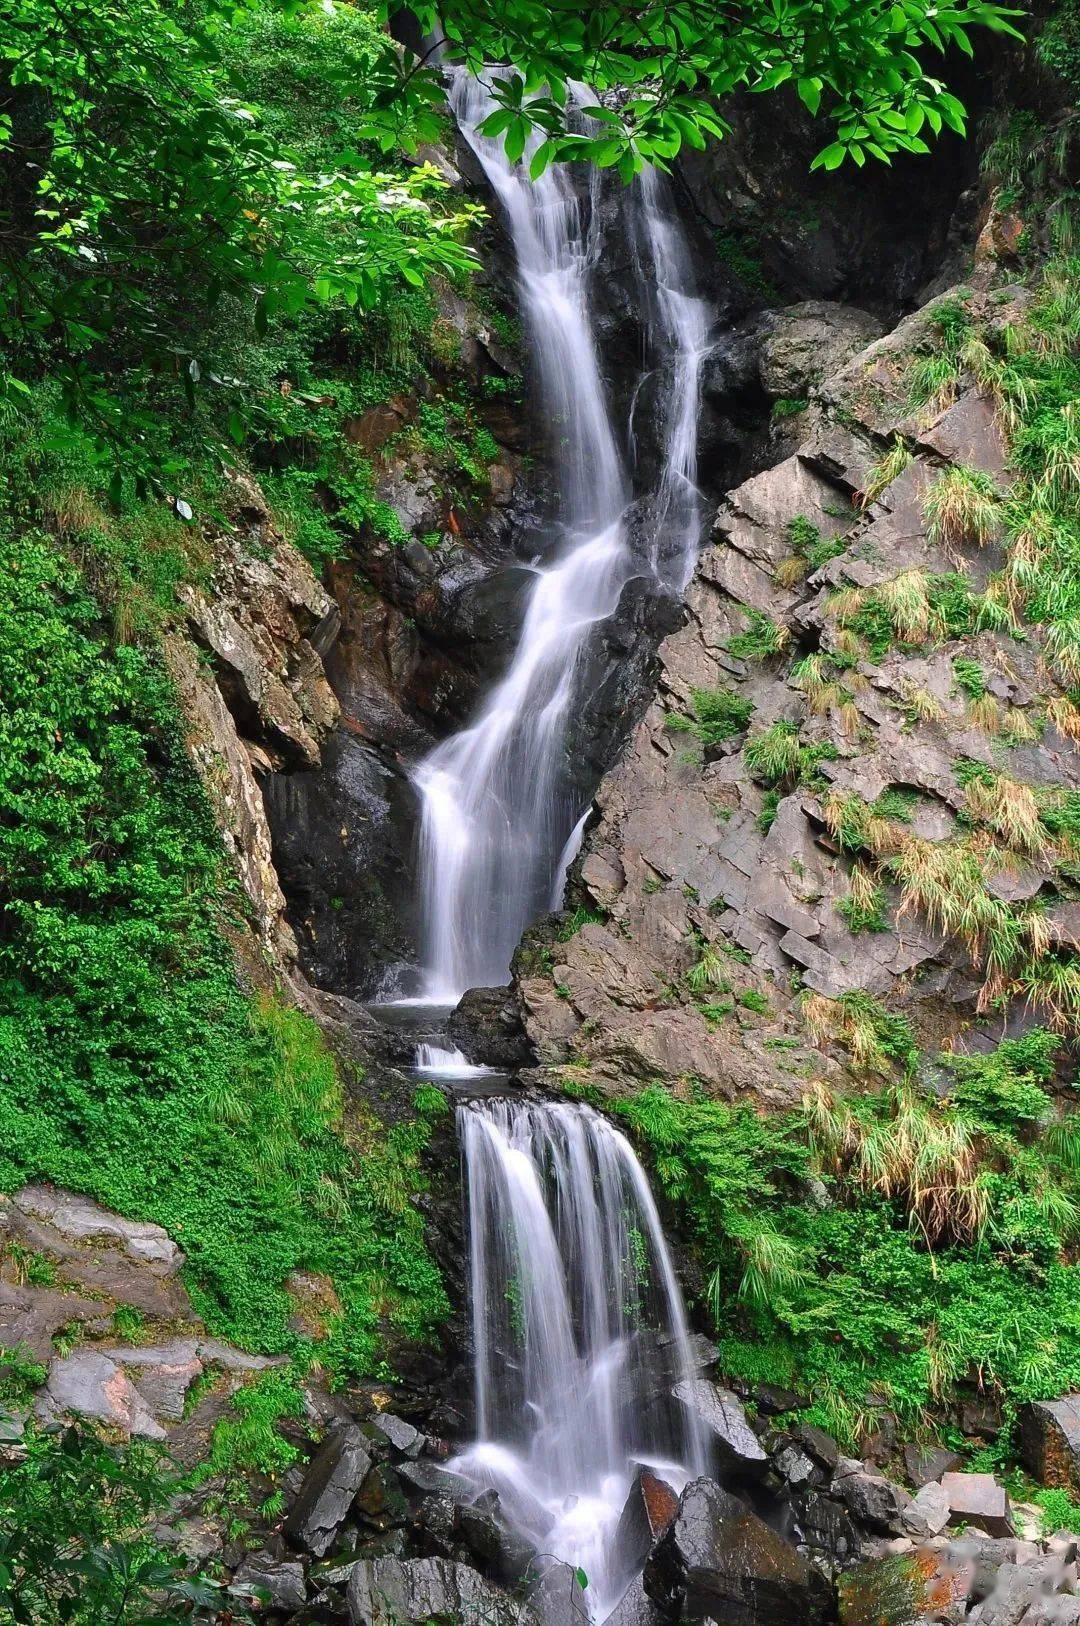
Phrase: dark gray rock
{"type": "Point", "coordinates": [396, 1592]}
{"type": "Point", "coordinates": [649, 1509]}
{"type": "Point", "coordinates": [871, 1500]}
{"type": "Point", "coordinates": [555, 1595]}
{"type": "Point", "coordinates": [719, 1561]}
{"type": "Point", "coordinates": [381, 1500]}
{"type": "Point", "coordinates": [278, 1583]}
{"type": "Point", "coordinates": [404, 1438]}
{"type": "Point", "coordinates": [486, 1025]}
{"type": "Point", "coordinates": [821, 1523]}
{"type": "Point", "coordinates": [821, 1446]}
{"type": "Point", "coordinates": [773, 1400]}
{"type": "Point", "coordinates": [922, 1463]}
{"type": "Point", "coordinates": [928, 1513]}
{"type": "Point", "coordinates": [722, 1413]}
{"type": "Point", "coordinates": [337, 1471]}
{"type": "Point", "coordinates": [810, 341]}
{"type": "Point", "coordinates": [500, 1552]}
{"type": "Point", "coordinates": [1050, 1441]}
{"type": "Point", "coordinates": [430, 1480]}
{"type": "Point", "coordinates": [635, 1609]}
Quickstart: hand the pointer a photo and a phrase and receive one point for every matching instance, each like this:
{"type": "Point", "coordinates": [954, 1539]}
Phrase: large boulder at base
{"type": "Point", "coordinates": [337, 1471]}
{"type": "Point", "coordinates": [978, 1499]}
{"type": "Point", "coordinates": [555, 1594]}
{"type": "Point", "coordinates": [396, 1592]}
{"type": "Point", "coordinates": [497, 1548]}
{"type": "Point", "coordinates": [718, 1561]}
{"type": "Point", "coordinates": [649, 1509]}
{"type": "Point", "coordinates": [871, 1499]}
{"type": "Point", "coordinates": [722, 1414]}
{"type": "Point", "coordinates": [274, 1583]}
{"type": "Point", "coordinates": [1050, 1442]}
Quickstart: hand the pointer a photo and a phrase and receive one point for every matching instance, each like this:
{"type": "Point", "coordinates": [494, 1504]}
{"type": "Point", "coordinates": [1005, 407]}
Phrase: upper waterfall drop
{"type": "Point", "coordinates": [498, 809]}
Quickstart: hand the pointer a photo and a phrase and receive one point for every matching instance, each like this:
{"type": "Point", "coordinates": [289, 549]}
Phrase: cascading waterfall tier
{"type": "Point", "coordinates": [500, 819]}
{"type": "Point", "coordinates": [579, 1331]}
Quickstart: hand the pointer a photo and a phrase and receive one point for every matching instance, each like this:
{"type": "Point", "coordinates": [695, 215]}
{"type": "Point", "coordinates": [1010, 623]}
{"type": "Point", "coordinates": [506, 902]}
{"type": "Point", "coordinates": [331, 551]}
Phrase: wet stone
{"type": "Point", "coordinates": [337, 1471]}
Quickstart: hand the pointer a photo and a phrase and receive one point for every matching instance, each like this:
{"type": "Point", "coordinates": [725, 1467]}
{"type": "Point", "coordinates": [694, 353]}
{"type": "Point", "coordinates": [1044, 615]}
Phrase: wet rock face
{"type": "Point", "coordinates": [719, 1561]}
{"type": "Point", "coordinates": [1050, 1441]}
{"type": "Point", "coordinates": [395, 1592]}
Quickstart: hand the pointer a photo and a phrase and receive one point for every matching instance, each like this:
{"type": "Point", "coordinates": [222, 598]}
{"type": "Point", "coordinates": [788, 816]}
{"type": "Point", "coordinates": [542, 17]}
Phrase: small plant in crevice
{"type": "Point", "coordinates": [888, 468]}
{"type": "Point", "coordinates": [762, 637]}
{"type": "Point", "coordinates": [719, 715]}
{"type": "Point", "coordinates": [809, 551]}
{"type": "Point", "coordinates": [778, 758]}
{"type": "Point", "coordinates": [864, 906]}
{"type": "Point", "coordinates": [962, 506]}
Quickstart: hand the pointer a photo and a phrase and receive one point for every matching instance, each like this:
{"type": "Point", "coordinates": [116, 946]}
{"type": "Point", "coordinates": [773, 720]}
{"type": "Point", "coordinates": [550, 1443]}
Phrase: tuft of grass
{"type": "Point", "coordinates": [763, 637]}
{"type": "Point", "coordinates": [888, 468]}
{"type": "Point", "coordinates": [864, 906]}
{"type": "Point", "coordinates": [719, 714]}
{"type": "Point", "coordinates": [962, 506]}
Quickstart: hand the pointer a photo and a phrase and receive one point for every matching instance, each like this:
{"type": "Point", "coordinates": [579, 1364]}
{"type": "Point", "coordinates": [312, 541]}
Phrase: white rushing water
{"type": "Point", "coordinates": [574, 1306]}
{"type": "Point", "coordinates": [499, 823]}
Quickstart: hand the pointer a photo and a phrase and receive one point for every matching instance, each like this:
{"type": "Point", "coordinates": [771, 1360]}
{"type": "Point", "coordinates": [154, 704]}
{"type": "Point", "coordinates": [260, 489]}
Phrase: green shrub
{"type": "Point", "coordinates": [719, 714]}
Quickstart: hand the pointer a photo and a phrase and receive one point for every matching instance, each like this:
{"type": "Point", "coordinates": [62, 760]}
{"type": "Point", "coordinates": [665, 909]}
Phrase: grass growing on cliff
{"type": "Point", "coordinates": [934, 1259]}
{"type": "Point", "coordinates": [133, 1067]}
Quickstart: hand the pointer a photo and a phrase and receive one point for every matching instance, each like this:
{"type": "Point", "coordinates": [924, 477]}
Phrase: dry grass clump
{"type": "Point", "coordinates": [888, 468]}
{"type": "Point", "coordinates": [928, 1160]}
{"type": "Point", "coordinates": [961, 506]}
{"type": "Point", "coordinates": [1010, 808]}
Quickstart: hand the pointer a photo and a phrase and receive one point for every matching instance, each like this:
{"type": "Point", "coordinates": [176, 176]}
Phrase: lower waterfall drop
{"type": "Point", "coordinates": [579, 1332]}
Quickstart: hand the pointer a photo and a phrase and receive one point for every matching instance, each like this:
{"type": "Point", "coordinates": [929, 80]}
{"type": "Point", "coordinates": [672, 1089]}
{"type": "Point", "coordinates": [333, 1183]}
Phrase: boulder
{"type": "Point", "coordinates": [498, 1549]}
{"type": "Point", "coordinates": [822, 1524]}
{"type": "Point", "coordinates": [555, 1595]}
{"type": "Point", "coordinates": [721, 1411]}
{"type": "Point", "coordinates": [978, 1499]}
{"type": "Point", "coordinates": [396, 1592]}
{"type": "Point", "coordinates": [381, 1500]}
{"type": "Point", "coordinates": [821, 1446]}
{"type": "Point", "coordinates": [92, 1385]}
{"type": "Point", "coordinates": [634, 1608]}
{"type": "Point", "coordinates": [718, 1560]}
{"type": "Point", "coordinates": [277, 1583]}
{"type": "Point", "coordinates": [811, 341]}
{"type": "Point", "coordinates": [336, 1473]}
{"type": "Point", "coordinates": [928, 1513]}
{"type": "Point", "coordinates": [162, 1373]}
{"type": "Point", "coordinates": [1050, 1441]}
{"type": "Point", "coordinates": [871, 1499]}
{"type": "Point", "coordinates": [404, 1438]}
{"type": "Point", "coordinates": [649, 1509]}
{"type": "Point", "coordinates": [486, 1025]}
{"type": "Point", "coordinates": [922, 1463]}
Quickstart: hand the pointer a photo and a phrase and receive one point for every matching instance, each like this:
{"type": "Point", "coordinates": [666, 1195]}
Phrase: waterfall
{"type": "Point", "coordinates": [579, 1331]}
{"type": "Point", "coordinates": [498, 814]}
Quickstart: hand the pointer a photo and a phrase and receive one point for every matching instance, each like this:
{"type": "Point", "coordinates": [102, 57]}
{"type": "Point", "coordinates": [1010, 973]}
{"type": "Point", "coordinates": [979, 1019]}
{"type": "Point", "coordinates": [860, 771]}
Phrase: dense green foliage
{"type": "Point", "coordinates": [74, 1547]}
{"type": "Point", "coordinates": [132, 1066]}
{"type": "Point", "coordinates": [860, 63]}
{"type": "Point", "coordinates": [891, 1247]}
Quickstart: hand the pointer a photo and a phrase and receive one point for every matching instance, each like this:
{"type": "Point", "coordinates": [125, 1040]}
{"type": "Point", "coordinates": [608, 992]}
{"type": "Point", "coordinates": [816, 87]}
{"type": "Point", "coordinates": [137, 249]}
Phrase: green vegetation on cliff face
{"type": "Point", "coordinates": [132, 1065]}
{"type": "Point", "coordinates": [881, 1251]}
{"type": "Point", "coordinates": [135, 1065]}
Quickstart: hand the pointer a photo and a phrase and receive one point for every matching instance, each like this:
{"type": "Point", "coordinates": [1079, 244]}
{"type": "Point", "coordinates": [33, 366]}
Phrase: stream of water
{"type": "Point", "coordinates": [499, 819]}
{"type": "Point", "coordinates": [578, 1324]}
{"type": "Point", "coordinates": [579, 1332]}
